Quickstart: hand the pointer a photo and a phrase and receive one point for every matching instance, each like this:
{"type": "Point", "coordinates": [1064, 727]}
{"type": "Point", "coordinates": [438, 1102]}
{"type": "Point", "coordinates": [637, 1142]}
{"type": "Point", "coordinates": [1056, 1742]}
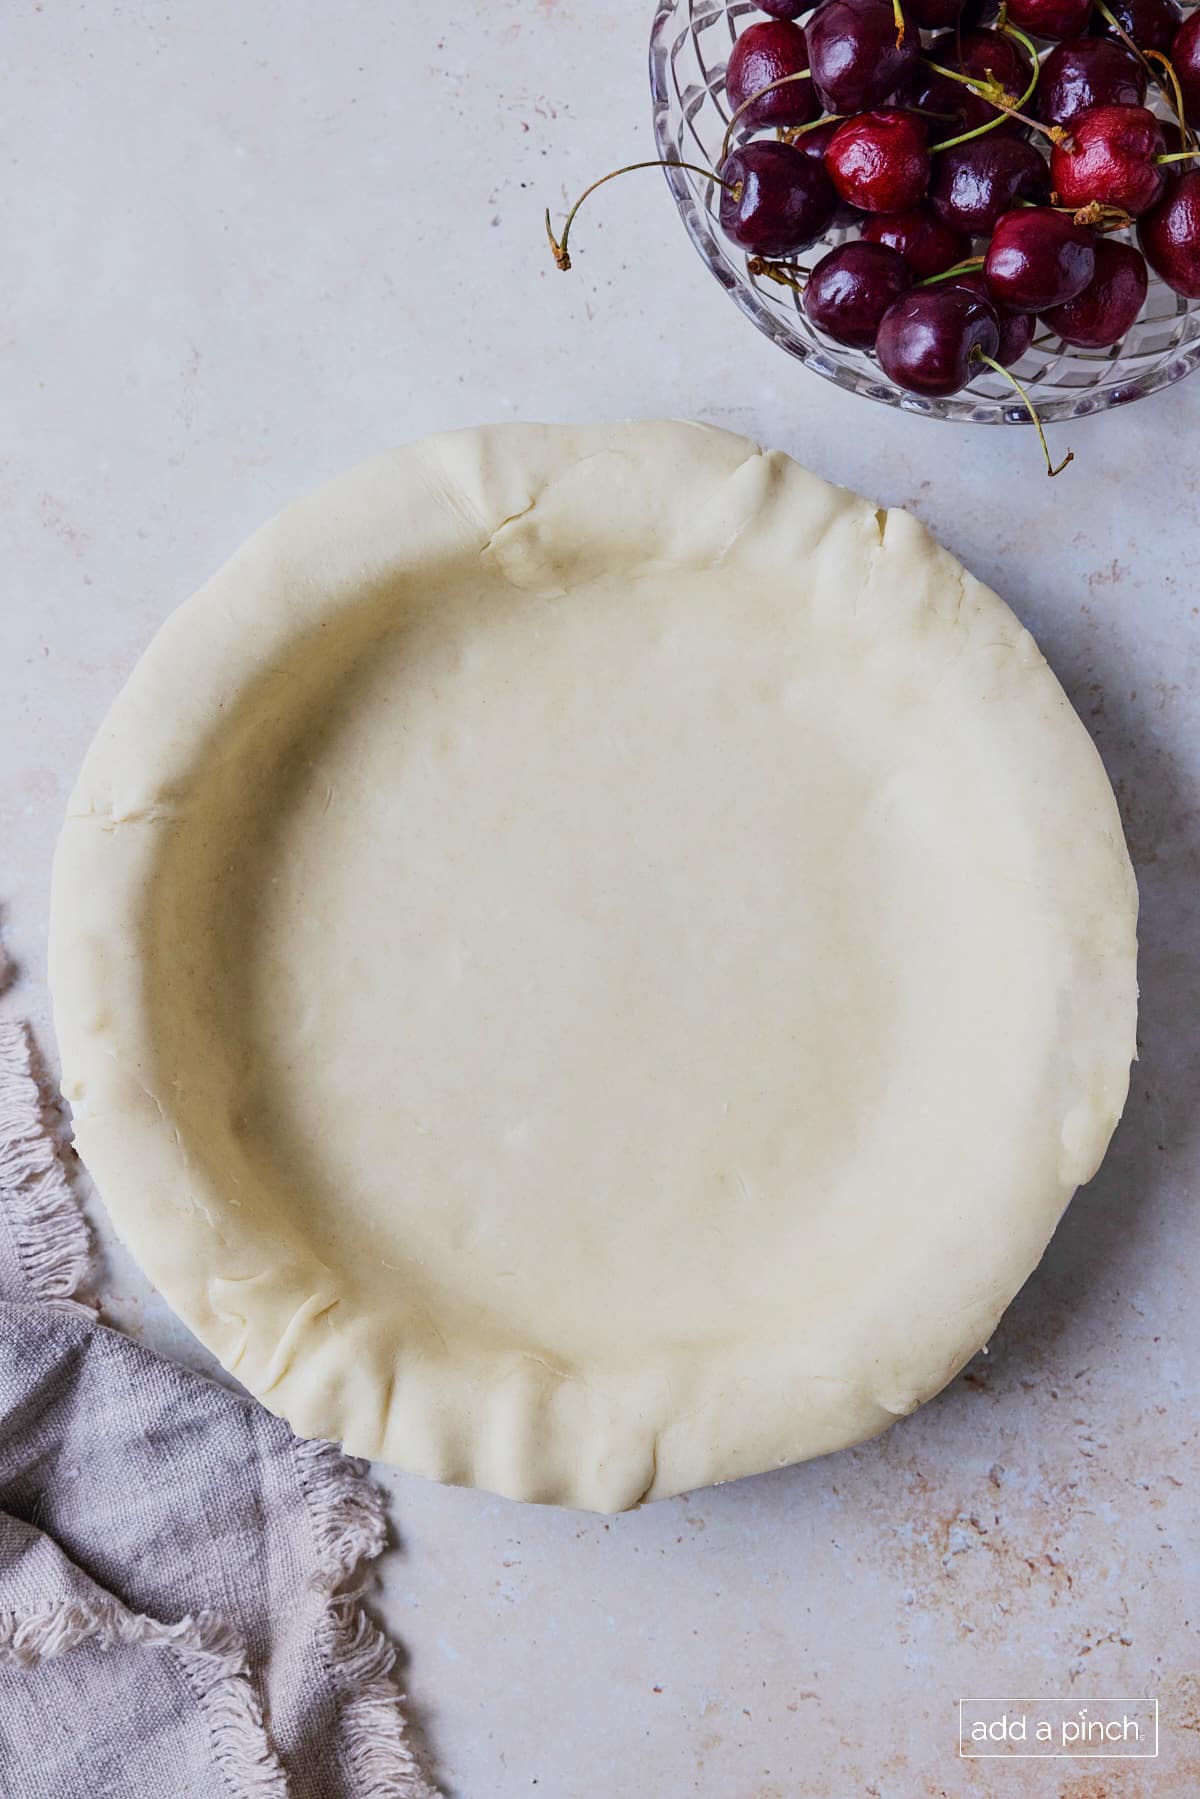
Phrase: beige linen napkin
{"type": "Point", "coordinates": [180, 1576]}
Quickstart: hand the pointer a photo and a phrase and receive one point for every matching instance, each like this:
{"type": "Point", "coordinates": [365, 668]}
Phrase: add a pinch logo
{"type": "Point", "coordinates": [1124, 1729]}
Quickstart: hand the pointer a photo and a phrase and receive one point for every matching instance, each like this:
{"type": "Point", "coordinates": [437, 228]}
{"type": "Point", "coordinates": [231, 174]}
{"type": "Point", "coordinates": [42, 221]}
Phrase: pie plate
{"type": "Point", "coordinates": [589, 962]}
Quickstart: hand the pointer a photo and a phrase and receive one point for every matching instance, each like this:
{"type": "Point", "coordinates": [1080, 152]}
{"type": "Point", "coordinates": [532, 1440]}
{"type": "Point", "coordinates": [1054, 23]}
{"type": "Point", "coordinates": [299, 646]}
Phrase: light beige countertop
{"type": "Point", "coordinates": [247, 246]}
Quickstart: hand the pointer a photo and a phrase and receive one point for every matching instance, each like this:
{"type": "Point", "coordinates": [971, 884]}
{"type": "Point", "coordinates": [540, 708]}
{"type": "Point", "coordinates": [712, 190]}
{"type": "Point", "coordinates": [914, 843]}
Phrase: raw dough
{"type": "Point", "coordinates": [589, 962]}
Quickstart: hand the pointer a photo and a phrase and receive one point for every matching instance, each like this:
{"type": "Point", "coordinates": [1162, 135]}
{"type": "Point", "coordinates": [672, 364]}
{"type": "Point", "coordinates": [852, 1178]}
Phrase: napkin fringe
{"type": "Point", "coordinates": [213, 1662]}
{"type": "Point", "coordinates": [48, 1230]}
{"type": "Point", "coordinates": [350, 1528]}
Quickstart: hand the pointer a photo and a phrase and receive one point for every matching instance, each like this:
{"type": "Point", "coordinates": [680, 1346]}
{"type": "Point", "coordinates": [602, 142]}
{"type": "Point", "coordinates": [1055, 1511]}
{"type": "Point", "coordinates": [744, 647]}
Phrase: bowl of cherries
{"type": "Point", "coordinates": [977, 212]}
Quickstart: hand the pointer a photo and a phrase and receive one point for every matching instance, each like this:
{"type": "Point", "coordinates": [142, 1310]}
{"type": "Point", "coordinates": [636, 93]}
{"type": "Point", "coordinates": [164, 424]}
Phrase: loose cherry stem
{"type": "Point", "coordinates": [748, 102]}
{"type": "Point", "coordinates": [960, 268]}
{"type": "Point", "coordinates": [977, 355]}
{"type": "Point", "coordinates": [777, 271]}
{"type": "Point", "coordinates": [558, 245]}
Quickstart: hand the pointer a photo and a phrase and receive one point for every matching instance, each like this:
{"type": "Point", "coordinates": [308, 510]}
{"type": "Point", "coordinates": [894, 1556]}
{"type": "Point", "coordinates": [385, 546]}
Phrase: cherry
{"type": "Point", "coordinates": [1051, 18]}
{"type": "Point", "coordinates": [929, 337]}
{"type": "Point", "coordinates": [785, 9]}
{"type": "Point", "coordinates": [775, 200]}
{"type": "Point", "coordinates": [1151, 24]}
{"type": "Point", "coordinates": [770, 51]}
{"type": "Point", "coordinates": [855, 59]}
{"type": "Point", "coordinates": [1170, 234]}
{"type": "Point", "coordinates": [973, 183]}
{"type": "Point", "coordinates": [935, 15]}
{"type": "Point", "coordinates": [1109, 303]}
{"type": "Point", "coordinates": [1038, 258]}
{"type": "Point", "coordinates": [1016, 328]}
{"type": "Point", "coordinates": [879, 161]}
{"type": "Point", "coordinates": [1084, 73]}
{"type": "Point", "coordinates": [1185, 54]}
{"type": "Point", "coordinates": [1109, 158]}
{"type": "Point", "coordinates": [852, 287]}
{"type": "Point", "coordinates": [927, 245]}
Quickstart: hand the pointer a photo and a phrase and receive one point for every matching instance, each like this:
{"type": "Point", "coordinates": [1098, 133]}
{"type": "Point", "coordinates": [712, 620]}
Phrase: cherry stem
{"type": "Point", "coordinates": [1026, 43]}
{"type": "Point", "coordinates": [960, 268]}
{"type": "Point", "coordinates": [1058, 134]}
{"type": "Point", "coordinates": [799, 75]}
{"type": "Point", "coordinates": [994, 94]}
{"type": "Point", "coordinates": [1100, 216]}
{"type": "Point", "coordinates": [790, 134]}
{"type": "Point", "coordinates": [1110, 17]}
{"type": "Point", "coordinates": [977, 86]}
{"type": "Point", "coordinates": [558, 245]}
{"type": "Point", "coordinates": [901, 23]}
{"type": "Point", "coordinates": [977, 355]}
{"type": "Point", "coordinates": [777, 271]}
{"type": "Point", "coordinates": [1168, 81]}
{"type": "Point", "coordinates": [1177, 156]}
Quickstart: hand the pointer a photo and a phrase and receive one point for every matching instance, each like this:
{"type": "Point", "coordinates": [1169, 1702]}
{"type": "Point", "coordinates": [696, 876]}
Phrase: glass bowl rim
{"type": "Point", "coordinates": [826, 359]}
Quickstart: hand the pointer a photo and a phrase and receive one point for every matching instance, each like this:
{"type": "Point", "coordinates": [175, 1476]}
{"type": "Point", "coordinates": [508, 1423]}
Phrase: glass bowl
{"type": "Point", "coordinates": [689, 45]}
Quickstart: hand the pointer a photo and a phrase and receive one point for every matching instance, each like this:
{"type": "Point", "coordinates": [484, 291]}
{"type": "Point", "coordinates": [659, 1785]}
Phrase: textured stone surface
{"type": "Point", "coordinates": [248, 245]}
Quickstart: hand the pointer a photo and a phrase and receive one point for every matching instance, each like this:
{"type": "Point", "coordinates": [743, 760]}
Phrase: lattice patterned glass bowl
{"type": "Point", "coordinates": [689, 46]}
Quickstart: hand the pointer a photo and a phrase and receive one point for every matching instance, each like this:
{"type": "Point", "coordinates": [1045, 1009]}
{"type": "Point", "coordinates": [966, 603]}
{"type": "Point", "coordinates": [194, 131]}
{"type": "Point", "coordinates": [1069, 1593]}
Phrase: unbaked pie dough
{"type": "Point", "coordinates": [589, 962]}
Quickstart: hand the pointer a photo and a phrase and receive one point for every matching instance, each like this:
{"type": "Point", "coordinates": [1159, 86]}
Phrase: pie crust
{"type": "Point", "coordinates": [589, 962]}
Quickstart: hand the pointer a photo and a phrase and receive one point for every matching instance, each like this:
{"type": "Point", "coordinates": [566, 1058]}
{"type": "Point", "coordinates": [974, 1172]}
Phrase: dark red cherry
{"type": "Point", "coordinates": [1170, 234]}
{"type": "Point", "coordinates": [1051, 18]}
{"type": "Point", "coordinates": [1185, 54]}
{"type": "Point", "coordinates": [852, 287]}
{"type": "Point", "coordinates": [927, 245]}
{"type": "Point", "coordinates": [785, 9]}
{"type": "Point", "coordinates": [879, 161]}
{"type": "Point", "coordinates": [1086, 72]}
{"type": "Point", "coordinates": [1151, 24]}
{"type": "Point", "coordinates": [1038, 258]}
{"type": "Point", "coordinates": [973, 183]}
{"type": "Point", "coordinates": [855, 59]}
{"type": "Point", "coordinates": [1110, 302]}
{"type": "Point", "coordinates": [781, 200]}
{"type": "Point", "coordinates": [768, 52]}
{"type": "Point", "coordinates": [1016, 328]}
{"type": "Point", "coordinates": [935, 15]}
{"type": "Point", "coordinates": [927, 338]}
{"type": "Point", "coordinates": [1109, 157]}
